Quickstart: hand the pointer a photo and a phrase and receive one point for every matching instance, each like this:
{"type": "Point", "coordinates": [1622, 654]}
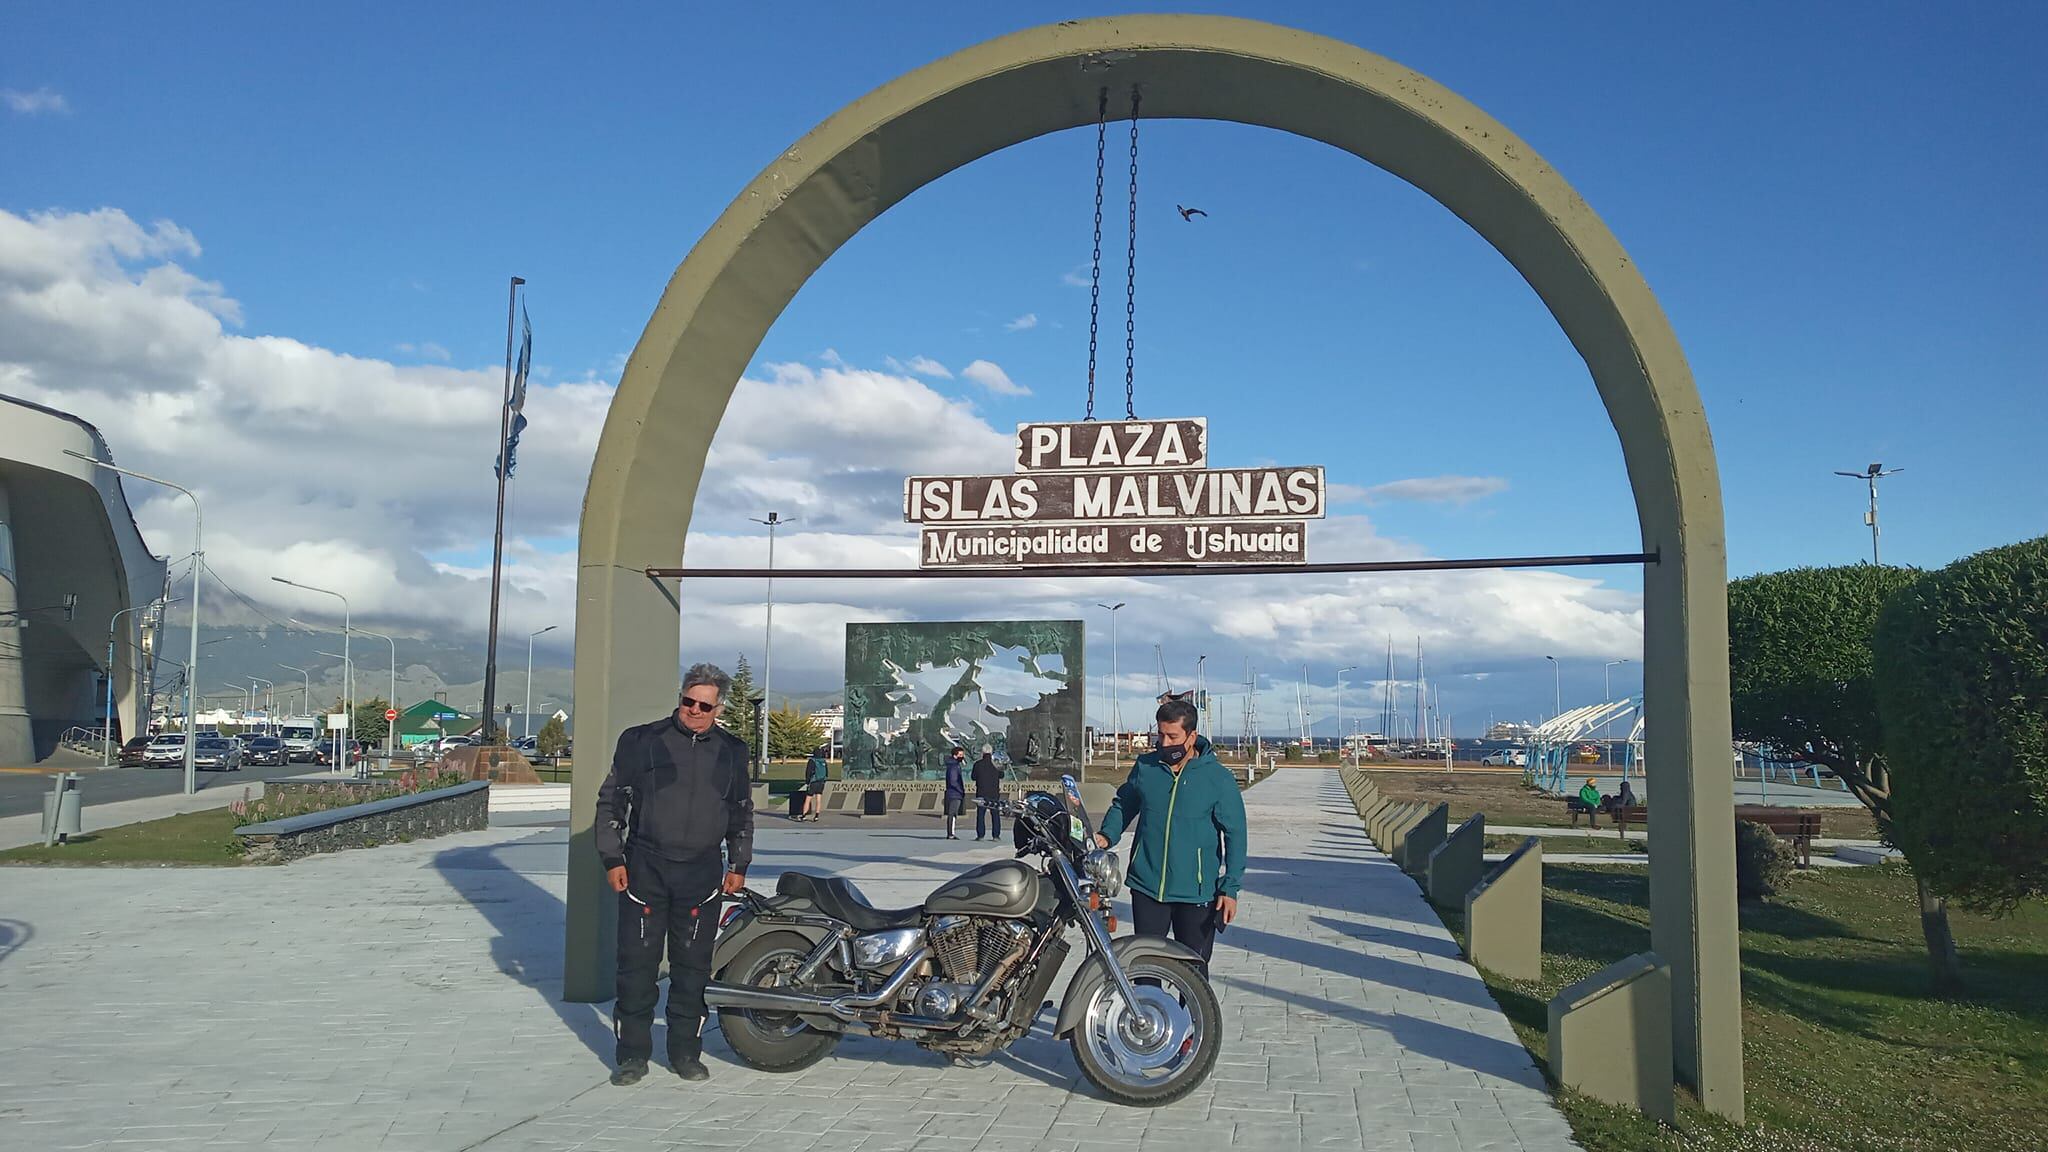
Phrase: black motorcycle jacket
{"type": "Point", "coordinates": [677, 794]}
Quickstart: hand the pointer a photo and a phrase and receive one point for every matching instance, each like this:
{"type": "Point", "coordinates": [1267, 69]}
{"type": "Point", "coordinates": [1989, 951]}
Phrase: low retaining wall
{"type": "Point", "coordinates": [462, 808]}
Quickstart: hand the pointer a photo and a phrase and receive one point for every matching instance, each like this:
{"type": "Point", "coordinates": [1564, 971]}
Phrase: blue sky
{"type": "Point", "coordinates": [1839, 209]}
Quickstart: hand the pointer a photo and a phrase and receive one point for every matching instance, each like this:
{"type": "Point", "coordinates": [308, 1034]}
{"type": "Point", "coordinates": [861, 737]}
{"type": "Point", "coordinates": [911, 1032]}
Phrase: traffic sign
{"type": "Point", "coordinates": [390, 714]}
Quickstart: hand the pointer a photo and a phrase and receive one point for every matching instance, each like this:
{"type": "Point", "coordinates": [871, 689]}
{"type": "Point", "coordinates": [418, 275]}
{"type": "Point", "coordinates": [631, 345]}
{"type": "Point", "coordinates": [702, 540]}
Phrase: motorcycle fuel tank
{"type": "Point", "coordinates": [1007, 888]}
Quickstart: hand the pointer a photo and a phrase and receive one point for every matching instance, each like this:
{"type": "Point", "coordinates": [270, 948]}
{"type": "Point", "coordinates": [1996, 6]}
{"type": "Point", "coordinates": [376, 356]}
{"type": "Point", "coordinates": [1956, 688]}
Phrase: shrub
{"type": "Point", "coordinates": [1292, 753]}
{"type": "Point", "coordinates": [1763, 863]}
{"type": "Point", "coordinates": [1962, 688]}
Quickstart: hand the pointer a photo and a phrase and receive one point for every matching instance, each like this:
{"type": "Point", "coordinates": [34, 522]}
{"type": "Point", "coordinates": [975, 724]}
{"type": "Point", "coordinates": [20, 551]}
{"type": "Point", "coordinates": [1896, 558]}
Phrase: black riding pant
{"type": "Point", "coordinates": [673, 905]}
{"type": "Point", "coordinates": [1192, 924]}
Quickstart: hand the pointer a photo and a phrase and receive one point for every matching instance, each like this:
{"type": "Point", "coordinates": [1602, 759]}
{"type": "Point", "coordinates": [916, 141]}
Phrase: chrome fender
{"type": "Point", "coordinates": [1092, 975]}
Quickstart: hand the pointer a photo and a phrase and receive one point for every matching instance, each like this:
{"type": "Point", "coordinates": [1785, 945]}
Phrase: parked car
{"type": "Point", "coordinates": [217, 754]}
{"type": "Point", "coordinates": [265, 750]}
{"type": "Point", "coordinates": [1506, 758]}
{"type": "Point", "coordinates": [131, 753]}
{"type": "Point", "coordinates": [351, 752]}
{"type": "Point", "coordinates": [164, 751]}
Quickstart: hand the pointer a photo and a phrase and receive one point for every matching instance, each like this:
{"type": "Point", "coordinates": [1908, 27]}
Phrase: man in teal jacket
{"type": "Point", "coordinates": [1188, 862]}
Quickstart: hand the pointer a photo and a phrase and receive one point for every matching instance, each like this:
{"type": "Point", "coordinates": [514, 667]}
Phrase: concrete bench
{"type": "Point", "coordinates": [464, 807]}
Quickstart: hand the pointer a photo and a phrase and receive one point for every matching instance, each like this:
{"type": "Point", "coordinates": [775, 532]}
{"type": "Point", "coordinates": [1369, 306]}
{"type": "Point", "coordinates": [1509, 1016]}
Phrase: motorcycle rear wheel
{"type": "Point", "coordinates": [1151, 1069]}
{"type": "Point", "coordinates": [771, 1041]}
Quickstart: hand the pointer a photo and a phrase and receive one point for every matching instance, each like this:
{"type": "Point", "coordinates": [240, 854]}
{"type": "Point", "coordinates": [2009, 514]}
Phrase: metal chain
{"type": "Point", "coordinates": [1131, 277]}
{"type": "Point", "coordinates": [1095, 261]}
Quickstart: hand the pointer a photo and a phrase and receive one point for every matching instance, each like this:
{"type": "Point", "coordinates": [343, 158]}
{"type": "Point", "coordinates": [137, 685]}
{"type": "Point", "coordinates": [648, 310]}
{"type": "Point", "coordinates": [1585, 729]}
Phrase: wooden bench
{"type": "Point", "coordinates": [1797, 825]}
{"type": "Point", "coordinates": [1577, 808]}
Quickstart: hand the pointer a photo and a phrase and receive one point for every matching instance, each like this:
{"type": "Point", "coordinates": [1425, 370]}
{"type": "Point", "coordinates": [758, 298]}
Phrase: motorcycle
{"type": "Point", "coordinates": [966, 973]}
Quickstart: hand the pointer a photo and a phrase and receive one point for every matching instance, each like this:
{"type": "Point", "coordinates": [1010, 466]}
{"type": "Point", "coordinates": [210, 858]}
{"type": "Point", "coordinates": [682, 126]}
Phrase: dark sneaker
{"type": "Point", "coordinates": [692, 1071]}
{"type": "Point", "coordinates": [629, 1072]}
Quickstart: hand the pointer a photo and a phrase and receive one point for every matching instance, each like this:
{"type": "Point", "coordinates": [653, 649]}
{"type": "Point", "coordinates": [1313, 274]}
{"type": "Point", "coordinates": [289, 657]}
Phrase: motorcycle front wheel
{"type": "Point", "coordinates": [771, 1041]}
{"type": "Point", "coordinates": [1162, 1052]}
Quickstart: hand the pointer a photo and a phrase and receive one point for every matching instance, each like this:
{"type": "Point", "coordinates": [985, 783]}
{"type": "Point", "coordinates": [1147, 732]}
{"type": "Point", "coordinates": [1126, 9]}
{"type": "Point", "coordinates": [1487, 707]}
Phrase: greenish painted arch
{"type": "Point", "coordinates": [886, 145]}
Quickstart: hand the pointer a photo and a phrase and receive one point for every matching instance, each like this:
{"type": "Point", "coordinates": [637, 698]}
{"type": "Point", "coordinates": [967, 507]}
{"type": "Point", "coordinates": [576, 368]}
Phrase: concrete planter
{"type": "Point", "coordinates": [462, 808]}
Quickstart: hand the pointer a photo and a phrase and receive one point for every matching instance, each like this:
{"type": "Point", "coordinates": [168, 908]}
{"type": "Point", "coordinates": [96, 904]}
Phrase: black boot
{"type": "Point", "coordinates": [629, 1072]}
{"type": "Point", "coordinates": [691, 1069]}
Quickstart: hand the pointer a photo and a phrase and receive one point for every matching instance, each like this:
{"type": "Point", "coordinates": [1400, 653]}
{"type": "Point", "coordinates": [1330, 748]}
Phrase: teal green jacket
{"type": "Point", "coordinates": [1189, 844]}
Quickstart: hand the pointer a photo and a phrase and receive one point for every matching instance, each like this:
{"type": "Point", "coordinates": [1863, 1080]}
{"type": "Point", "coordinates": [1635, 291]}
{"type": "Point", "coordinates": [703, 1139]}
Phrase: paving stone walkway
{"type": "Point", "coordinates": [407, 998]}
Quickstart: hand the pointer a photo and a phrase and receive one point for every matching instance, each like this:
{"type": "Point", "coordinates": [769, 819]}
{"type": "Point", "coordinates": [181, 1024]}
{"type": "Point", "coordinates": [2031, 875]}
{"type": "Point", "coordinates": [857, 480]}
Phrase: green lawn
{"type": "Point", "coordinates": [1561, 845]}
{"type": "Point", "coordinates": [1844, 1048]}
{"type": "Point", "coordinates": [193, 838]}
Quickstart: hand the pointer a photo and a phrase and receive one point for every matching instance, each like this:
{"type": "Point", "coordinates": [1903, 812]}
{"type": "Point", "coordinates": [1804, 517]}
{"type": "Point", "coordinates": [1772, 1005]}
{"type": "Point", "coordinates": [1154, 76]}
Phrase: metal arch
{"type": "Point", "coordinates": [879, 149]}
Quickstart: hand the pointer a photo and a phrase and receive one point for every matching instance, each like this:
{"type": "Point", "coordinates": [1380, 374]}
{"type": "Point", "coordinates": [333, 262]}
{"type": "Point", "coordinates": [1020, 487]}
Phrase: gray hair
{"type": "Point", "coordinates": [700, 675]}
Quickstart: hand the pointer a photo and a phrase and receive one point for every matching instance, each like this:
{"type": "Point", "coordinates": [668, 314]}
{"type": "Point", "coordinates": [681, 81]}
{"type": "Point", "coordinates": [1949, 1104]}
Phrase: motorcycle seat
{"type": "Point", "coordinates": [839, 899]}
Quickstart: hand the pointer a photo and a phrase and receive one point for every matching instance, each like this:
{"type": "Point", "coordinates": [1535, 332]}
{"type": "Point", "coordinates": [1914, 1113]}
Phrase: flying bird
{"type": "Point", "coordinates": [1188, 213]}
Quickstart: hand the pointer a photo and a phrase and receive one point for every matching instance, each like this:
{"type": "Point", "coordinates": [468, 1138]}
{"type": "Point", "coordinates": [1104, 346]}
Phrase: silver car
{"type": "Point", "coordinates": [217, 754]}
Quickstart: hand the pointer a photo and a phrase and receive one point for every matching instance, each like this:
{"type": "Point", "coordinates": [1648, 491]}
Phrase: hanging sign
{"type": "Point", "coordinates": [1101, 444]}
{"type": "Point", "coordinates": [1115, 493]}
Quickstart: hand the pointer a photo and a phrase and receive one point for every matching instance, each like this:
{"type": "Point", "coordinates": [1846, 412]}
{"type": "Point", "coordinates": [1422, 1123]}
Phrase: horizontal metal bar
{"type": "Point", "coordinates": [1071, 571]}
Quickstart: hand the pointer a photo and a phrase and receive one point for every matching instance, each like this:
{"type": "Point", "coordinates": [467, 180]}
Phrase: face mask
{"type": "Point", "coordinates": [1173, 753]}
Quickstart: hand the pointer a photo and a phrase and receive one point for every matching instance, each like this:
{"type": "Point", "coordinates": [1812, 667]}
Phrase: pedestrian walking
{"type": "Point", "coordinates": [815, 773]}
{"type": "Point", "coordinates": [956, 790]}
{"type": "Point", "coordinates": [675, 831]}
{"type": "Point", "coordinates": [988, 793]}
{"type": "Point", "coordinates": [1187, 858]}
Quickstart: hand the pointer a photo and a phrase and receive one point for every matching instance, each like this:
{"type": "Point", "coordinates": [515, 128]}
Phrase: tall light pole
{"type": "Point", "coordinates": [1343, 745]}
{"type": "Point", "coordinates": [348, 677]}
{"type": "Point", "coordinates": [1556, 693]}
{"type": "Point", "coordinates": [192, 656]}
{"type": "Point", "coordinates": [1607, 693]}
{"type": "Point", "coordinates": [390, 726]}
{"type": "Point", "coordinates": [248, 693]}
{"type": "Point", "coordinates": [526, 717]}
{"type": "Point", "coordinates": [1115, 703]}
{"type": "Point", "coordinates": [268, 685]}
{"type": "Point", "coordinates": [768, 639]}
{"type": "Point", "coordinates": [1871, 476]}
{"type": "Point", "coordinates": [306, 700]}
{"type": "Point", "coordinates": [107, 752]}
{"type": "Point", "coordinates": [348, 673]}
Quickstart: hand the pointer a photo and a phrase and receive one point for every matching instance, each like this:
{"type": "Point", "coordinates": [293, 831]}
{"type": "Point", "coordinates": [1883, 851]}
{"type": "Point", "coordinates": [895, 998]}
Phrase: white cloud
{"type": "Point", "coordinates": [919, 366]}
{"type": "Point", "coordinates": [428, 350]}
{"type": "Point", "coordinates": [994, 379]}
{"type": "Point", "coordinates": [36, 103]}
{"type": "Point", "coordinates": [1421, 489]}
{"type": "Point", "coordinates": [1023, 323]}
{"type": "Point", "coordinates": [99, 317]}
{"type": "Point", "coordinates": [1075, 277]}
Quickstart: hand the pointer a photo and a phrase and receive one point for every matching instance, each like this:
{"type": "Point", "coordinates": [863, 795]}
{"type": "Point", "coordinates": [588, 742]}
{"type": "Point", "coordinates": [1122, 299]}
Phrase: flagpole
{"type": "Point", "coordinates": [498, 533]}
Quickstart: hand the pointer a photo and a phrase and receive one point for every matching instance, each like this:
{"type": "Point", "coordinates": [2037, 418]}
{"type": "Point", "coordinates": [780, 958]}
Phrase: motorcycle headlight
{"type": "Point", "coordinates": [1103, 867]}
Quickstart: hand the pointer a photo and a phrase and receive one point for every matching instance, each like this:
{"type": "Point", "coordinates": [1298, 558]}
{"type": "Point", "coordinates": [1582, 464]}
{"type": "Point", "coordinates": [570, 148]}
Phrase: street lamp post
{"type": "Point", "coordinates": [305, 700]}
{"type": "Point", "coordinates": [107, 752]}
{"type": "Point", "coordinates": [768, 639]}
{"type": "Point", "coordinates": [1115, 704]}
{"type": "Point", "coordinates": [390, 726]}
{"type": "Point", "coordinates": [268, 685]}
{"type": "Point", "coordinates": [1556, 693]}
{"type": "Point", "coordinates": [1343, 745]}
{"type": "Point", "coordinates": [1871, 476]}
{"type": "Point", "coordinates": [192, 656]}
{"type": "Point", "coordinates": [348, 674]}
{"type": "Point", "coordinates": [1607, 695]}
{"type": "Point", "coordinates": [526, 717]}
{"type": "Point", "coordinates": [348, 677]}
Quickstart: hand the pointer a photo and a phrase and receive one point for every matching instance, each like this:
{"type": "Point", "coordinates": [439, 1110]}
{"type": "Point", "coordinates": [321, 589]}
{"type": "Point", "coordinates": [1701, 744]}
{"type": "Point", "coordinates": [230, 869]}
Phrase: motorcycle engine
{"type": "Point", "coordinates": [969, 947]}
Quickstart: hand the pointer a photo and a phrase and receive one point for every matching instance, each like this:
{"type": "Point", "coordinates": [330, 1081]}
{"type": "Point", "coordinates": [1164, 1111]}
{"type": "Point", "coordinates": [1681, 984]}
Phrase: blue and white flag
{"type": "Point", "coordinates": [517, 403]}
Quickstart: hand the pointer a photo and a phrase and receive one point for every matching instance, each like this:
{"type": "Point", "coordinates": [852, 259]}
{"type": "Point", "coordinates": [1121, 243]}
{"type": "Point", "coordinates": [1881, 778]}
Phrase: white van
{"type": "Point", "coordinates": [301, 735]}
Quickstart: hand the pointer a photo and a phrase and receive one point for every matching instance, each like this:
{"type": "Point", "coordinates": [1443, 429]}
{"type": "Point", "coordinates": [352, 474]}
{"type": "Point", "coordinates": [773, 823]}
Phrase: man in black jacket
{"type": "Point", "coordinates": [988, 792]}
{"type": "Point", "coordinates": [677, 793]}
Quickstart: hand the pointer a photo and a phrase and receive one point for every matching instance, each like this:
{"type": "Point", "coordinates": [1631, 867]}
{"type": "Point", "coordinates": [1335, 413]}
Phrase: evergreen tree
{"type": "Point", "coordinates": [551, 737]}
{"type": "Point", "coordinates": [738, 714]}
{"type": "Point", "coordinates": [792, 735]}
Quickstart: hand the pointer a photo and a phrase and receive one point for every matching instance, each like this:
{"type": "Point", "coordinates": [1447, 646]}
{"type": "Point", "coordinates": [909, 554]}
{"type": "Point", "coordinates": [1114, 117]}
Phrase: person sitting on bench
{"type": "Point", "coordinates": [1627, 799]}
{"type": "Point", "coordinates": [1591, 800]}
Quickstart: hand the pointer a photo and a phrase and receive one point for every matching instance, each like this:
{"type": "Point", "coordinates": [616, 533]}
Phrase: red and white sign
{"type": "Point", "coordinates": [390, 714]}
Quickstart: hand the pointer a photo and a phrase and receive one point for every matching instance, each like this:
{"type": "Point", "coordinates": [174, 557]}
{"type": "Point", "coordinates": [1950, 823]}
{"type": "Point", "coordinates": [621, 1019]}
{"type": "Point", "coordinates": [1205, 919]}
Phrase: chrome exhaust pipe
{"type": "Point", "coordinates": [851, 1007]}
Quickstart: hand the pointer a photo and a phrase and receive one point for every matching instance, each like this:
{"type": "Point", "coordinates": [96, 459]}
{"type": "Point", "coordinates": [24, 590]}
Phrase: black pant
{"type": "Point", "coordinates": [984, 809]}
{"type": "Point", "coordinates": [1193, 924]}
{"type": "Point", "coordinates": [673, 904]}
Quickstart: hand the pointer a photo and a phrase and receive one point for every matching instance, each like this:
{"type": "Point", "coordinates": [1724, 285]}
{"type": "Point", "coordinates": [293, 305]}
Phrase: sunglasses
{"type": "Point", "coordinates": [698, 705]}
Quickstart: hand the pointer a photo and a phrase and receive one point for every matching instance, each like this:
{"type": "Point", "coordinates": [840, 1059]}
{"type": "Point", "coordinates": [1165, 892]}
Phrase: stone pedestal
{"type": "Point", "coordinates": [1610, 1036]}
